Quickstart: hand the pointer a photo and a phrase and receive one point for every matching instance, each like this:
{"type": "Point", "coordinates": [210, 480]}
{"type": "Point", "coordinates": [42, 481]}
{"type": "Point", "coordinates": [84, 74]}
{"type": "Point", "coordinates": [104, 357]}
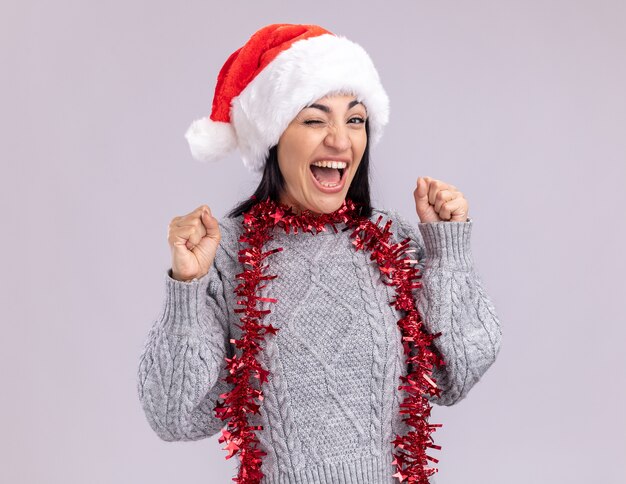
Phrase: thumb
{"type": "Point", "coordinates": [209, 224]}
{"type": "Point", "coordinates": [421, 194]}
{"type": "Point", "coordinates": [425, 211]}
{"type": "Point", "coordinates": [207, 247]}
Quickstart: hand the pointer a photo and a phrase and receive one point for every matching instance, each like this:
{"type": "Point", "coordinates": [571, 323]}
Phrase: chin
{"type": "Point", "coordinates": [329, 203]}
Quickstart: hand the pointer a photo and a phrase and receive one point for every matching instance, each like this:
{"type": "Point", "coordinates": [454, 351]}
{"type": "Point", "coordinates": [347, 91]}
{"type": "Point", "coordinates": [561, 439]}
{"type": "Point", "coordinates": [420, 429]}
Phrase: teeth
{"type": "Point", "coordinates": [331, 164]}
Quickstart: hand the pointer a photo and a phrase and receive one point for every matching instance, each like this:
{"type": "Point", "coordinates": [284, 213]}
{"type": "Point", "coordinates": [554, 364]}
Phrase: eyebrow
{"type": "Point", "coordinates": [326, 109]}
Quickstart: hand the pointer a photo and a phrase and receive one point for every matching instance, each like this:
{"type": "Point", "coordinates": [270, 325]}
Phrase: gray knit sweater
{"type": "Point", "coordinates": [331, 405]}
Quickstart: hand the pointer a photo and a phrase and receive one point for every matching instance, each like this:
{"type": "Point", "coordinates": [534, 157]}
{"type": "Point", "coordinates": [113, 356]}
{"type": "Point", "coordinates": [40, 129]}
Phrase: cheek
{"type": "Point", "coordinates": [294, 158]}
{"type": "Point", "coordinates": [360, 143]}
{"type": "Point", "coordinates": [285, 160]}
{"type": "Point", "coordinates": [294, 169]}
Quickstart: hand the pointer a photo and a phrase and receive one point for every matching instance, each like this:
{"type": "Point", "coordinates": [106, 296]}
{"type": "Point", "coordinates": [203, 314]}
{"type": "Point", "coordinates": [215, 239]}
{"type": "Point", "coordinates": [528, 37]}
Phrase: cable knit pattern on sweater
{"type": "Point", "coordinates": [331, 406]}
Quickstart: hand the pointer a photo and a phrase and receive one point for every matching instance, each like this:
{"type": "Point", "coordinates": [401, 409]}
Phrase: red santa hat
{"type": "Point", "coordinates": [263, 85]}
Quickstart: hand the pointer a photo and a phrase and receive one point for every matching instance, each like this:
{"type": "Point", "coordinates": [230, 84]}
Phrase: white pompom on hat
{"type": "Point", "coordinates": [263, 85]}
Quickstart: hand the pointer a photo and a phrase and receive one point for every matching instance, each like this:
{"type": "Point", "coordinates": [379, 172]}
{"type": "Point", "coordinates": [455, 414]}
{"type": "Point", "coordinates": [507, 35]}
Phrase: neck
{"type": "Point", "coordinates": [296, 208]}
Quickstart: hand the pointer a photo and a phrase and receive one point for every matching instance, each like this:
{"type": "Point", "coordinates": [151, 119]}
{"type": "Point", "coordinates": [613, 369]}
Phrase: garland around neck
{"type": "Point", "coordinates": [410, 456]}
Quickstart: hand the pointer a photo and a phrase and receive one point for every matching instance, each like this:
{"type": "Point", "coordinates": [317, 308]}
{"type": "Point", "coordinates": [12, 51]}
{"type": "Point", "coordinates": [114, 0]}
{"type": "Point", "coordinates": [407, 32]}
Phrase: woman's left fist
{"type": "Point", "coordinates": [436, 201]}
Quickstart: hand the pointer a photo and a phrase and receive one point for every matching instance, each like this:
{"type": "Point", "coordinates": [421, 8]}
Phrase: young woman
{"type": "Point", "coordinates": [303, 323]}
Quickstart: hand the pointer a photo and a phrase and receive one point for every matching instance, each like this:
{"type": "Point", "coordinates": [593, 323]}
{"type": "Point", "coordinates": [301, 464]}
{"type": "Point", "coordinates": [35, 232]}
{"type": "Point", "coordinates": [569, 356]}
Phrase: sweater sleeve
{"type": "Point", "coordinates": [452, 300]}
{"type": "Point", "coordinates": [182, 367]}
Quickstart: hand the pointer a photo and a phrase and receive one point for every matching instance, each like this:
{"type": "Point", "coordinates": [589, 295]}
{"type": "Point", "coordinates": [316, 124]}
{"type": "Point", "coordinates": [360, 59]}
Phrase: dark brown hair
{"type": "Point", "coordinates": [272, 183]}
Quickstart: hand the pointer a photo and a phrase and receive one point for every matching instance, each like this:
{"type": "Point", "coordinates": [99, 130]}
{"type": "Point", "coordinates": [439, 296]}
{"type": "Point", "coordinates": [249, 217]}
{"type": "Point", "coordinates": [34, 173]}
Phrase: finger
{"type": "Point", "coordinates": [194, 222]}
{"type": "Point", "coordinates": [188, 235]}
{"type": "Point", "coordinates": [444, 196]}
{"type": "Point", "coordinates": [197, 234]}
{"type": "Point", "coordinates": [205, 209]}
{"type": "Point", "coordinates": [193, 217]}
{"type": "Point", "coordinates": [180, 236]}
{"type": "Point", "coordinates": [433, 187]}
{"type": "Point", "coordinates": [453, 208]}
{"type": "Point", "coordinates": [202, 208]}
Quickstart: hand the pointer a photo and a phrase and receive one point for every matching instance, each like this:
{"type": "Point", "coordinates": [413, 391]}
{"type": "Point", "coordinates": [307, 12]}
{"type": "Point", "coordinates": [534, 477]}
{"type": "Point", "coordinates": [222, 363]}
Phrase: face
{"type": "Point", "coordinates": [330, 130]}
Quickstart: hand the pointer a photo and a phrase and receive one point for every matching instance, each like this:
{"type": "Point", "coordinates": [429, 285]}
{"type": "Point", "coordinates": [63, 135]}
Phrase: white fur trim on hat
{"type": "Point", "coordinates": [310, 69]}
{"type": "Point", "coordinates": [210, 140]}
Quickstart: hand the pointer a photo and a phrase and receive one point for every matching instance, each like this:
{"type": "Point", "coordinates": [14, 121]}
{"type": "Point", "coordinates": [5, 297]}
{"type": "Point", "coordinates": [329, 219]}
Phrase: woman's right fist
{"type": "Point", "coordinates": [193, 240]}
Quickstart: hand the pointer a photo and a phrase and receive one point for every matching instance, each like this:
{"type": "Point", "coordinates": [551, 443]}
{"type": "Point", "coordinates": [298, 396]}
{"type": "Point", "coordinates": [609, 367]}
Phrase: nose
{"type": "Point", "coordinates": [338, 138]}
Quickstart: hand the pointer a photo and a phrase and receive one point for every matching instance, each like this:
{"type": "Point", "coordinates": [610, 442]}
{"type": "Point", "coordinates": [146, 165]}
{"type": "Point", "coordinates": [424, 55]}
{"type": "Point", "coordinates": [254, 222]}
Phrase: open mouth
{"type": "Point", "coordinates": [327, 176]}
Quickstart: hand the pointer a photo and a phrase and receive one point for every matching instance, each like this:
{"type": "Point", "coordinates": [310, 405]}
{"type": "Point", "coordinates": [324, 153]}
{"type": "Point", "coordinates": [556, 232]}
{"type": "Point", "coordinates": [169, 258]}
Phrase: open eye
{"type": "Point", "coordinates": [358, 118]}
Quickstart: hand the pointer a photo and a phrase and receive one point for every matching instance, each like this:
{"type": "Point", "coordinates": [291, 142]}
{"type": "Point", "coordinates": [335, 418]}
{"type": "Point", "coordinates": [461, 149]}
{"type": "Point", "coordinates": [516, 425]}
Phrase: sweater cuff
{"type": "Point", "coordinates": [447, 244]}
{"type": "Point", "coordinates": [184, 302]}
